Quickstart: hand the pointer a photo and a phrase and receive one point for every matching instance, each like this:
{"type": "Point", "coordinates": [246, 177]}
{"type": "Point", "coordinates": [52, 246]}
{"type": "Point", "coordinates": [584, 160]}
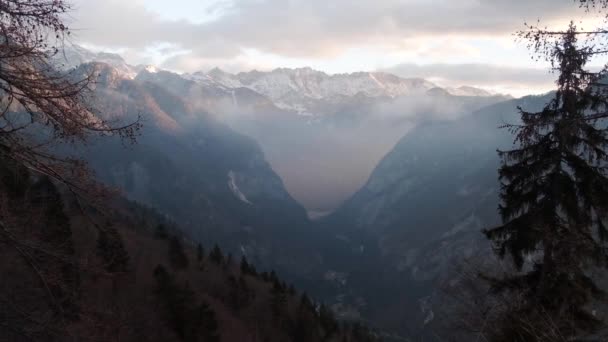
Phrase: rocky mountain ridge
{"type": "Point", "coordinates": [214, 182]}
{"type": "Point", "coordinates": [293, 89]}
{"type": "Point", "coordinates": [421, 213]}
{"type": "Point", "coordinates": [296, 90]}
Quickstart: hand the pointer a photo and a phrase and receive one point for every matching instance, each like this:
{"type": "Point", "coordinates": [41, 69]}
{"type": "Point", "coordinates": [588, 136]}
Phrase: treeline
{"type": "Point", "coordinates": [553, 240]}
{"type": "Point", "coordinates": [246, 292]}
{"type": "Point", "coordinates": [76, 272]}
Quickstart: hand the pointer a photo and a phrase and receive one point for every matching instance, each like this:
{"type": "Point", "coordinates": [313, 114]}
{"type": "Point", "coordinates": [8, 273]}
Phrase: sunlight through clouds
{"type": "Point", "coordinates": [335, 37]}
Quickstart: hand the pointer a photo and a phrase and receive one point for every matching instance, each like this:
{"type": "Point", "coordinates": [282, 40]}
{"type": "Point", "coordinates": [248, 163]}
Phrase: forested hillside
{"type": "Point", "coordinates": [119, 271]}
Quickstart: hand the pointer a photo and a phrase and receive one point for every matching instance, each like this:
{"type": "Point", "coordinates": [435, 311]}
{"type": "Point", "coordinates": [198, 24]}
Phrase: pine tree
{"type": "Point", "coordinates": [328, 321]}
{"type": "Point", "coordinates": [55, 234]}
{"type": "Point", "coordinates": [234, 295]}
{"type": "Point", "coordinates": [190, 321]}
{"type": "Point", "coordinates": [200, 253]}
{"type": "Point", "coordinates": [240, 294]}
{"type": "Point", "coordinates": [252, 271]}
{"type": "Point", "coordinates": [305, 302]}
{"type": "Point", "coordinates": [216, 255]}
{"type": "Point", "coordinates": [177, 256]}
{"type": "Point", "coordinates": [112, 251]}
{"type": "Point", "coordinates": [554, 202]}
{"type": "Point", "coordinates": [228, 260]}
{"type": "Point", "coordinates": [245, 269]}
{"type": "Point", "coordinates": [161, 232]}
{"type": "Point", "coordinates": [14, 178]}
{"type": "Point", "coordinates": [209, 324]}
{"type": "Point", "coordinates": [274, 279]}
{"type": "Point", "coordinates": [245, 290]}
{"type": "Point", "coordinates": [175, 302]}
{"type": "Point", "coordinates": [306, 327]}
{"type": "Point", "coordinates": [278, 303]}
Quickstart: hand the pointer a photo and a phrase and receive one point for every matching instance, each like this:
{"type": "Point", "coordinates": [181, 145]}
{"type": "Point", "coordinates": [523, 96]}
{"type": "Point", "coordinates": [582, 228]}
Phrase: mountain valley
{"type": "Point", "coordinates": [192, 165]}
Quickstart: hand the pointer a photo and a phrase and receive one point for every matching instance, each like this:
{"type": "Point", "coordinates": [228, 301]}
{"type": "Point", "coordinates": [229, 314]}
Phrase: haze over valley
{"type": "Point", "coordinates": [323, 134]}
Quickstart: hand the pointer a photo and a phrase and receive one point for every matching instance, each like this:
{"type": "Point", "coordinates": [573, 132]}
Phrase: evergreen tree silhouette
{"type": "Point", "coordinates": [177, 256]}
{"type": "Point", "coordinates": [554, 201]}
{"type": "Point", "coordinates": [216, 255]}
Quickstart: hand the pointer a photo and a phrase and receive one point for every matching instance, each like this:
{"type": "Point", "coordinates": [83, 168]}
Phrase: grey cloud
{"type": "Point", "coordinates": [305, 28]}
{"type": "Point", "coordinates": [478, 74]}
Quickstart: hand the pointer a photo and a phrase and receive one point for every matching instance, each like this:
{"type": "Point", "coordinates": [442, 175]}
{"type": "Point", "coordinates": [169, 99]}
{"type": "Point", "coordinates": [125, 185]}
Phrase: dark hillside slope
{"type": "Point", "coordinates": [214, 182]}
{"type": "Point", "coordinates": [70, 274]}
{"type": "Point", "coordinates": [421, 211]}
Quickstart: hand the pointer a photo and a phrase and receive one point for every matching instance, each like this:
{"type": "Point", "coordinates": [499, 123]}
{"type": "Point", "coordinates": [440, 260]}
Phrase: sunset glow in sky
{"type": "Point", "coordinates": [451, 42]}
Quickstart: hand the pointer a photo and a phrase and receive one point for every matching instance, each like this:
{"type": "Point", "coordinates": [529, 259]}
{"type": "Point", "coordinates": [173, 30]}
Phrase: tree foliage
{"type": "Point", "coordinates": [216, 255]}
{"type": "Point", "coordinates": [40, 106]}
{"type": "Point", "coordinates": [41, 277]}
{"type": "Point", "coordinates": [177, 255]}
{"type": "Point", "coordinates": [190, 321]}
{"type": "Point", "coordinates": [111, 250]}
{"type": "Point", "coordinates": [555, 201]}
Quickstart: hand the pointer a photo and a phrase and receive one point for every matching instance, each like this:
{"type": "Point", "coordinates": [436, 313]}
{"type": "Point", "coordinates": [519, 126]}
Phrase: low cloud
{"type": "Point", "coordinates": [335, 36]}
{"type": "Point", "coordinates": [514, 80]}
{"type": "Point", "coordinates": [305, 28]}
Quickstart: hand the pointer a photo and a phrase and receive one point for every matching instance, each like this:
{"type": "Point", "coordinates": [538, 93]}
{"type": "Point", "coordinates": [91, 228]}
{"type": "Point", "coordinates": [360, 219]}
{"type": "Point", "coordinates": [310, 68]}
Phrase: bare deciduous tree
{"type": "Point", "coordinates": [40, 106]}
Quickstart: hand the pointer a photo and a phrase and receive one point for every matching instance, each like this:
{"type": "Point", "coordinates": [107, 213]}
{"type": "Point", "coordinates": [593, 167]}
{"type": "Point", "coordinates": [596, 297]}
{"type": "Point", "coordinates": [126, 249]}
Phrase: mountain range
{"type": "Point", "coordinates": [296, 90]}
{"type": "Point", "coordinates": [404, 171]}
{"type": "Point", "coordinates": [289, 89]}
{"type": "Point", "coordinates": [309, 123]}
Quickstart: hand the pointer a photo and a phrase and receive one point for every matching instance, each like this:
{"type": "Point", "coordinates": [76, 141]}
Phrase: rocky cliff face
{"type": "Point", "coordinates": [426, 203]}
{"type": "Point", "coordinates": [211, 180]}
{"type": "Point", "coordinates": [299, 89]}
{"type": "Point", "coordinates": [381, 255]}
{"type": "Point", "coordinates": [309, 124]}
{"type": "Point", "coordinates": [406, 199]}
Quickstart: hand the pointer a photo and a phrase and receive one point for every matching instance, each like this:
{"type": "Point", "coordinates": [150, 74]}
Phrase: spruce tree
{"type": "Point", "coordinates": [216, 255]}
{"type": "Point", "coordinates": [328, 321]}
{"type": "Point", "coordinates": [54, 234]}
{"type": "Point", "coordinates": [228, 260]}
{"type": "Point", "coordinates": [177, 255]}
{"type": "Point", "coordinates": [161, 232]}
{"type": "Point", "coordinates": [306, 326]}
{"type": "Point", "coordinates": [190, 321]}
{"type": "Point", "coordinates": [111, 250]}
{"type": "Point", "coordinates": [209, 324]}
{"type": "Point", "coordinates": [245, 269]}
{"type": "Point", "coordinates": [278, 303]}
{"type": "Point", "coordinates": [554, 202]}
{"type": "Point", "coordinates": [200, 253]}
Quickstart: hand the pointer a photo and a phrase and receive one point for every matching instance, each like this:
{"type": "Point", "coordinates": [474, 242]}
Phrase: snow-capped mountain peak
{"type": "Point", "coordinates": [469, 91]}
{"type": "Point", "coordinates": [298, 89]}
{"type": "Point", "coordinates": [282, 84]}
{"type": "Point", "coordinates": [72, 56]}
{"type": "Point", "coordinates": [301, 90]}
{"type": "Point", "coordinates": [151, 69]}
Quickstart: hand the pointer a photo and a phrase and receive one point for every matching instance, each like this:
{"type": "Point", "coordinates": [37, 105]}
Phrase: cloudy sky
{"type": "Point", "coordinates": [451, 42]}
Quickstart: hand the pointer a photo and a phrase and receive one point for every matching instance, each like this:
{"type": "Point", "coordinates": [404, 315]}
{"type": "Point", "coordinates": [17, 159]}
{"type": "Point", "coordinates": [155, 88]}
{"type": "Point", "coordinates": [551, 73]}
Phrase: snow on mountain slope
{"type": "Point", "coordinates": [295, 89]}
{"type": "Point", "coordinates": [468, 91]}
{"type": "Point", "coordinates": [235, 188]}
{"type": "Point", "coordinates": [302, 91]}
{"type": "Point", "coordinates": [73, 56]}
{"type": "Point", "coordinates": [280, 83]}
